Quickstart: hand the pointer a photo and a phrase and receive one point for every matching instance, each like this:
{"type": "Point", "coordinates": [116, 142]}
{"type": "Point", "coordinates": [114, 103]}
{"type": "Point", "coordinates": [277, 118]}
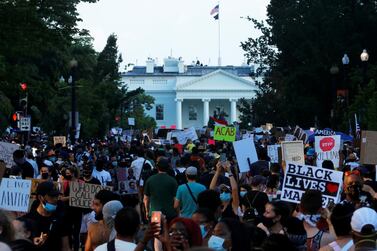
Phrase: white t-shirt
{"type": "Point", "coordinates": [119, 245]}
{"type": "Point", "coordinates": [137, 165]}
{"type": "Point", "coordinates": [103, 176]}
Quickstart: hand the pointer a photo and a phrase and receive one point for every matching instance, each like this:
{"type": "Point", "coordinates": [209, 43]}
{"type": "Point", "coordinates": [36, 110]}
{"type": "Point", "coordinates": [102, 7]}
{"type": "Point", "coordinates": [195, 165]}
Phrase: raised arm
{"type": "Point", "coordinates": [213, 184]}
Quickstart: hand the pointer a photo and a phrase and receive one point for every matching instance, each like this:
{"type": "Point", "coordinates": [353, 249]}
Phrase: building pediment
{"type": "Point", "coordinates": [217, 81]}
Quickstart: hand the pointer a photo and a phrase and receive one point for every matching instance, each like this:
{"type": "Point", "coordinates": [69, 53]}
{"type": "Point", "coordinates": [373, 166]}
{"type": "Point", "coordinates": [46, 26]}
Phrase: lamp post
{"type": "Point", "coordinates": [364, 56]}
{"type": "Point", "coordinates": [71, 81]}
{"type": "Point", "coordinates": [334, 70]}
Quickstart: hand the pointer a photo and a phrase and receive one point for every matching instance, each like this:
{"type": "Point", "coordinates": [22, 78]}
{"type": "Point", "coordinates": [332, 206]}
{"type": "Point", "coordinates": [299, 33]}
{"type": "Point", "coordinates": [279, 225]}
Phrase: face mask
{"type": "Point", "coordinates": [216, 243]}
{"type": "Point", "coordinates": [49, 207]}
{"type": "Point", "coordinates": [44, 176]}
{"type": "Point", "coordinates": [268, 222]}
{"type": "Point", "coordinates": [99, 216]}
{"type": "Point", "coordinates": [52, 159]}
{"type": "Point", "coordinates": [225, 197]}
{"type": "Point", "coordinates": [203, 230]}
{"type": "Point", "coordinates": [115, 163]}
{"type": "Point", "coordinates": [99, 169]}
{"type": "Point", "coordinates": [243, 193]}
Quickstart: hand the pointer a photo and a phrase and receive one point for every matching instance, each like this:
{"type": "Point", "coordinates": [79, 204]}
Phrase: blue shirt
{"type": "Point", "coordinates": [187, 203]}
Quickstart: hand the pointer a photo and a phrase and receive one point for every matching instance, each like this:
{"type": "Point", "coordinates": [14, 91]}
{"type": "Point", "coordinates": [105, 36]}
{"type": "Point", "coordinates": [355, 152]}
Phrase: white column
{"type": "Point", "coordinates": [205, 111]}
{"type": "Point", "coordinates": [233, 110]}
{"type": "Point", "coordinates": [179, 113]}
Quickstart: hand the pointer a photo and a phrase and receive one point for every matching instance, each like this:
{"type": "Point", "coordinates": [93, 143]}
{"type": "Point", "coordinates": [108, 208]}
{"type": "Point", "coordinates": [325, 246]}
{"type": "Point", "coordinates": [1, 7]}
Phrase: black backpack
{"type": "Point", "coordinates": [146, 171]}
{"type": "Point", "coordinates": [251, 213]}
{"type": "Point", "coordinates": [180, 177]}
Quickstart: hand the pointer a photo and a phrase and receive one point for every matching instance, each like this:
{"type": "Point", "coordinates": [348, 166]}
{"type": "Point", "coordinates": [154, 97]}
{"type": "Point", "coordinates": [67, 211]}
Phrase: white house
{"type": "Point", "coordinates": [186, 95]}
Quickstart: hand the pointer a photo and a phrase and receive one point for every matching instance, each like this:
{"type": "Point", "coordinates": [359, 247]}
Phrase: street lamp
{"type": "Point", "coordinates": [364, 56]}
{"type": "Point", "coordinates": [334, 70]}
{"type": "Point", "coordinates": [71, 81]}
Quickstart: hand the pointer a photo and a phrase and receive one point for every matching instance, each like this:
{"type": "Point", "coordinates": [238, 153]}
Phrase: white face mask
{"type": "Point", "coordinates": [216, 243]}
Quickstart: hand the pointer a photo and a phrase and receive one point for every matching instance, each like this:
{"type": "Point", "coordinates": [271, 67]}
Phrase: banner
{"type": "Point", "coordinates": [368, 148]}
{"type": "Point", "coordinates": [273, 153]}
{"type": "Point", "coordinates": [6, 153]}
{"type": "Point", "coordinates": [183, 136]}
{"type": "Point", "coordinates": [299, 178]}
{"type": "Point", "coordinates": [225, 133]}
{"type": "Point", "coordinates": [327, 148]}
{"type": "Point", "coordinates": [60, 140]}
{"type": "Point", "coordinates": [82, 194]}
{"type": "Point", "coordinates": [293, 151]}
{"type": "Point", "coordinates": [126, 181]}
{"type": "Point", "coordinates": [245, 152]}
{"type": "Point", "coordinates": [15, 194]}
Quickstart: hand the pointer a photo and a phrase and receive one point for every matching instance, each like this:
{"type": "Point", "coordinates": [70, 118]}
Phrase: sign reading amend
{"type": "Point", "coordinates": [82, 194]}
{"type": "Point", "coordinates": [225, 133]}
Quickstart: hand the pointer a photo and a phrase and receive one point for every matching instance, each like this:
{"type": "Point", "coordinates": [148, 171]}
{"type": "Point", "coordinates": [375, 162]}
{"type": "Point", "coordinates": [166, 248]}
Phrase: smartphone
{"type": "Point", "coordinates": [156, 217]}
{"type": "Point", "coordinates": [223, 157]}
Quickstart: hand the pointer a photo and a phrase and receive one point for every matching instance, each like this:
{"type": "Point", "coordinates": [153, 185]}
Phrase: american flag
{"type": "Point", "coordinates": [215, 10]}
{"type": "Point", "coordinates": [357, 128]}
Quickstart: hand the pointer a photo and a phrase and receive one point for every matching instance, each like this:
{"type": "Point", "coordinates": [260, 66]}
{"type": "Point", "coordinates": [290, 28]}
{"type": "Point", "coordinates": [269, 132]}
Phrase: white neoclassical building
{"type": "Point", "coordinates": [186, 95]}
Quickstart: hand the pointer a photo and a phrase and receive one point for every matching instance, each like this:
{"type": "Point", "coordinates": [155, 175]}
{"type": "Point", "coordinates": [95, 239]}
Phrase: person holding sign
{"type": "Point", "coordinates": [49, 225]}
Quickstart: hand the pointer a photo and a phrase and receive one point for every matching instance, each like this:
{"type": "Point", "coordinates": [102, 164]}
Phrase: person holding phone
{"type": "Point", "coordinates": [229, 195]}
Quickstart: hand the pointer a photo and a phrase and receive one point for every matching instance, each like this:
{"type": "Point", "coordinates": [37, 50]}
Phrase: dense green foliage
{"type": "Point", "coordinates": [38, 39]}
{"type": "Point", "coordinates": [300, 42]}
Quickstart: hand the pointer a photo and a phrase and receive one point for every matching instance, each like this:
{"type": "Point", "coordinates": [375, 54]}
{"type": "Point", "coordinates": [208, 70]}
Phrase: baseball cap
{"type": "Point", "coordinates": [362, 217]}
{"type": "Point", "coordinates": [47, 188]}
{"type": "Point", "coordinates": [191, 170]}
{"type": "Point", "coordinates": [258, 180]}
{"type": "Point", "coordinates": [48, 163]}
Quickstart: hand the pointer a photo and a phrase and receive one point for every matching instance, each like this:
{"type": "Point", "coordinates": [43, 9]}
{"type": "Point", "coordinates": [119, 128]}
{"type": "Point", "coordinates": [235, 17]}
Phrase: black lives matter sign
{"type": "Point", "coordinates": [299, 178]}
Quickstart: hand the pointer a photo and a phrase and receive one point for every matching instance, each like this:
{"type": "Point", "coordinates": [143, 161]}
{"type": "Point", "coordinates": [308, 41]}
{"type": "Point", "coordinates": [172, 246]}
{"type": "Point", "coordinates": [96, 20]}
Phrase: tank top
{"type": "Point", "coordinates": [314, 243]}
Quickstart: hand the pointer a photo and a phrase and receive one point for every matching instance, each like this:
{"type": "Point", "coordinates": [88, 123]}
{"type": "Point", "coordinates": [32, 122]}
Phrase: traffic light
{"type": "Point", "coordinates": [15, 118]}
{"type": "Point", "coordinates": [23, 103]}
{"type": "Point", "coordinates": [23, 86]}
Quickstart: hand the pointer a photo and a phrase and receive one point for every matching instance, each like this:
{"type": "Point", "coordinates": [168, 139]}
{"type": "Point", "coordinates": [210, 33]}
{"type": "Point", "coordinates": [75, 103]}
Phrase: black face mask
{"type": "Point", "coordinates": [99, 216]}
{"type": "Point", "coordinates": [268, 222]}
{"type": "Point", "coordinates": [44, 176]}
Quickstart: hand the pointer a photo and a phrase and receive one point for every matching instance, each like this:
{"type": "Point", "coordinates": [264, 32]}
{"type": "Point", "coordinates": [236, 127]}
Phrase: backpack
{"type": "Point", "coordinates": [180, 177]}
{"type": "Point", "coordinates": [146, 172]}
{"type": "Point", "coordinates": [251, 213]}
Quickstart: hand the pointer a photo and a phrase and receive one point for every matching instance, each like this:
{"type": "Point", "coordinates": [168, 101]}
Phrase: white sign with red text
{"type": "Point", "coordinates": [327, 148]}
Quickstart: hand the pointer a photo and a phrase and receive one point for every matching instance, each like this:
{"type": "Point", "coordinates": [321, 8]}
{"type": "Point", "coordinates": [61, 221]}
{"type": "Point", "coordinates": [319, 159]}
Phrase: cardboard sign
{"type": "Point", "coordinates": [60, 140]}
{"type": "Point", "coordinates": [6, 153]}
{"type": "Point", "coordinates": [299, 178]}
{"type": "Point", "coordinates": [183, 136]}
{"type": "Point", "coordinates": [368, 147]}
{"type": "Point", "coordinates": [245, 149]}
{"type": "Point", "coordinates": [327, 148]}
{"type": "Point", "coordinates": [15, 194]}
{"type": "Point", "coordinates": [293, 151]}
{"type": "Point", "coordinates": [82, 194]}
{"type": "Point", "coordinates": [126, 180]}
{"type": "Point", "coordinates": [225, 133]}
{"type": "Point", "coordinates": [273, 153]}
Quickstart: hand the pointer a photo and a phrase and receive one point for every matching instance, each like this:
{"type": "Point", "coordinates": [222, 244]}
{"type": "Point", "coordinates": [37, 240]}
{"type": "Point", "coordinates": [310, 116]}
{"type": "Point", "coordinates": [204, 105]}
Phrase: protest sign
{"type": "Point", "coordinates": [299, 178]}
{"type": "Point", "coordinates": [82, 194]}
{"type": "Point", "coordinates": [225, 133]}
{"type": "Point", "coordinates": [368, 147]}
{"type": "Point", "coordinates": [131, 121]}
{"type": "Point", "coordinates": [293, 151]}
{"type": "Point", "coordinates": [126, 180]}
{"type": "Point", "coordinates": [245, 152]}
{"type": "Point", "coordinates": [15, 194]}
{"type": "Point", "coordinates": [60, 140]}
{"type": "Point", "coordinates": [273, 153]}
{"type": "Point", "coordinates": [289, 137]}
{"type": "Point", "coordinates": [183, 136]}
{"type": "Point", "coordinates": [327, 148]}
{"type": "Point", "coordinates": [6, 153]}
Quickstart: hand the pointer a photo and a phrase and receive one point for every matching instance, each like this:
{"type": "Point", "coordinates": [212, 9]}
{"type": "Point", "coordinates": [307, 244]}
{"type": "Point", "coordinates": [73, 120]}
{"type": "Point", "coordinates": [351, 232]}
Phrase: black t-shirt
{"type": "Point", "coordinates": [27, 170]}
{"type": "Point", "coordinates": [53, 226]}
{"type": "Point", "coordinates": [258, 167]}
{"type": "Point", "coordinates": [256, 199]}
{"type": "Point", "coordinates": [206, 179]}
{"type": "Point", "coordinates": [22, 245]}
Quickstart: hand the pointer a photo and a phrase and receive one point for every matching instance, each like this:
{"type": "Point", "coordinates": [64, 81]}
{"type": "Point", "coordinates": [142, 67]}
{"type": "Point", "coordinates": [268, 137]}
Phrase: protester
{"type": "Point", "coordinates": [50, 229]}
{"type": "Point", "coordinates": [273, 216]}
{"type": "Point", "coordinates": [23, 240]}
{"type": "Point", "coordinates": [184, 233]}
{"type": "Point", "coordinates": [206, 221]}
{"type": "Point", "coordinates": [7, 231]}
{"type": "Point", "coordinates": [160, 191]}
{"type": "Point", "coordinates": [100, 174]}
{"type": "Point", "coordinates": [187, 194]}
{"type": "Point", "coordinates": [22, 166]}
{"type": "Point", "coordinates": [364, 229]}
{"type": "Point", "coordinates": [110, 209]}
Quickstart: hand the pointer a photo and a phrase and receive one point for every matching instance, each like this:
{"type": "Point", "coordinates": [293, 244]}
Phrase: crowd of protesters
{"type": "Point", "coordinates": [189, 197]}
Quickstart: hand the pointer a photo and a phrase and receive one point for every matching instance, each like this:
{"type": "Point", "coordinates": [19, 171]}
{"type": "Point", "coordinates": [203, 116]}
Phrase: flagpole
{"type": "Point", "coordinates": [219, 59]}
